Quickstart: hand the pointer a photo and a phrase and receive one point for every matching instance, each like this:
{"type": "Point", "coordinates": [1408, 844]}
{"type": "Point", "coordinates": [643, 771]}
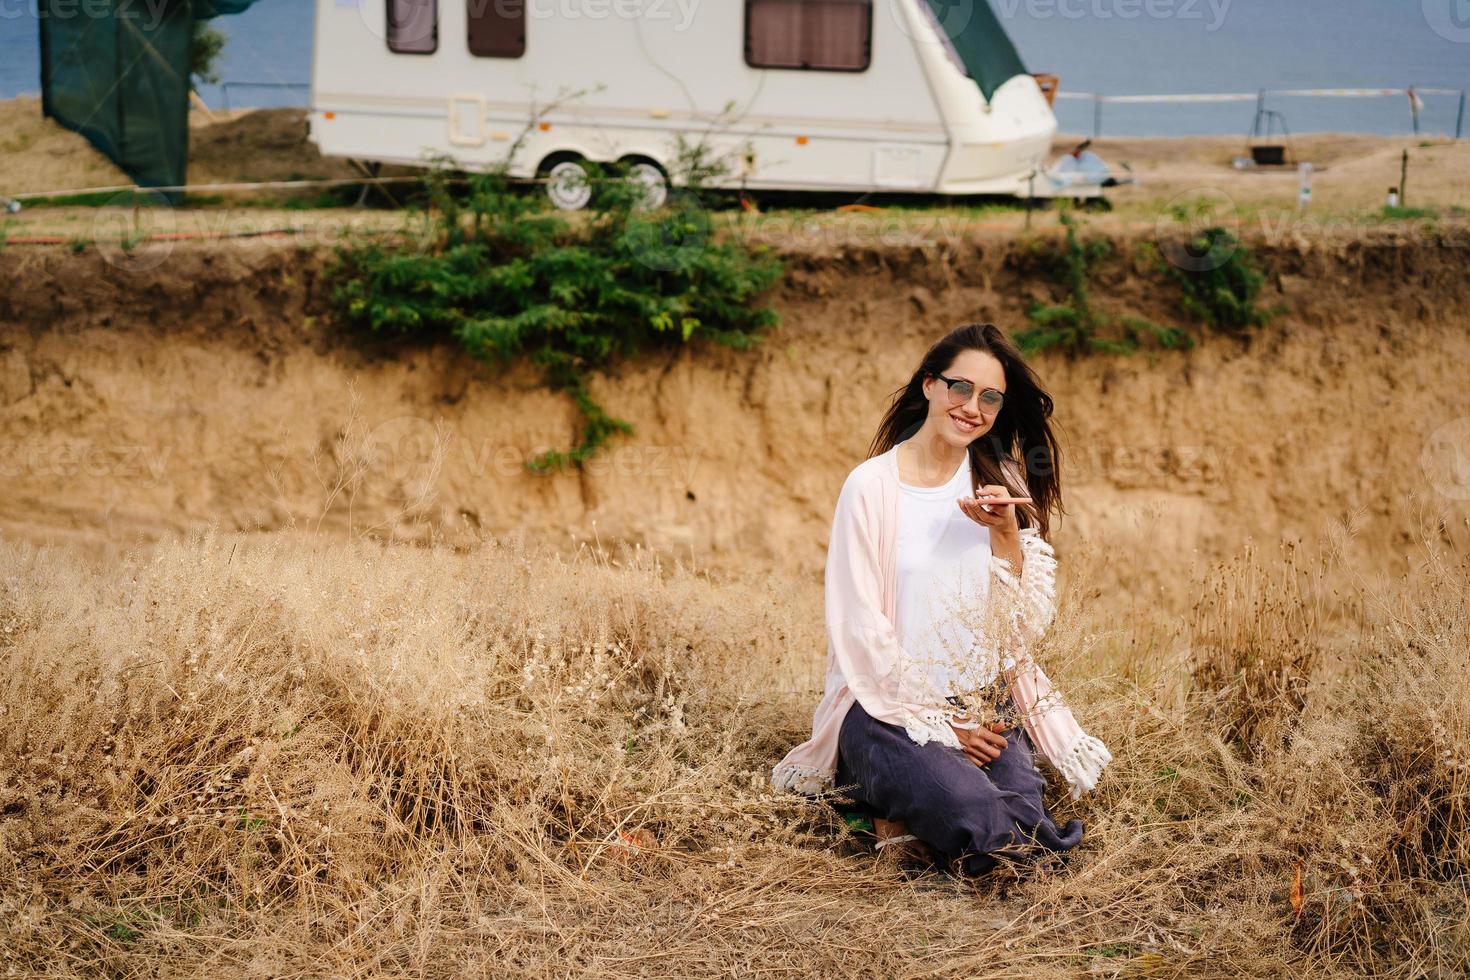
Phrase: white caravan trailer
{"type": "Point", "coordinates": [830, 95]}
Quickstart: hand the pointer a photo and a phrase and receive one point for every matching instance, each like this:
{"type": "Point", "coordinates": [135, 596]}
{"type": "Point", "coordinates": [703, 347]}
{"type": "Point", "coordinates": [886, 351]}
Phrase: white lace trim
{"type": "Point", "coordinates": [1037, 589]}
{"type": "Point", "coordinates": [931, 724]}
{"type": "Point", "coordinates": [1083, 763]}
{"type": "Point", "coordinates": [923, 727]}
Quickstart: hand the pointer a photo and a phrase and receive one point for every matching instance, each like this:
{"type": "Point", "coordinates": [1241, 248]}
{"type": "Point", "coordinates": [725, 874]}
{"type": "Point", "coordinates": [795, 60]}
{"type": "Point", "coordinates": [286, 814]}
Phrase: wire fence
{"type": "Point", "coordinates": [224, 90]}
{"type": "Point", "coordinates": [1414, 99]}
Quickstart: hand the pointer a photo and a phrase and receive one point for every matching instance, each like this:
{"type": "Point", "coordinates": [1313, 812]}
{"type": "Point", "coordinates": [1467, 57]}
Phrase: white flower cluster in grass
{"type": "Point", "coordinates": [587, 673]}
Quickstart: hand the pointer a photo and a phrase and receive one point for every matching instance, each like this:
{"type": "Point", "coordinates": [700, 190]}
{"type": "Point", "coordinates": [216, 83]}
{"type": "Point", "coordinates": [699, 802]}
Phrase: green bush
{"type": "Point", "coordinates": [1221, 283]}
{"type": "Point", "coordinates": [205, 45]}
{"type": "Point", "coordinates": [505, 275]}
{"type": "Point", "coordinates": [1073, 326]}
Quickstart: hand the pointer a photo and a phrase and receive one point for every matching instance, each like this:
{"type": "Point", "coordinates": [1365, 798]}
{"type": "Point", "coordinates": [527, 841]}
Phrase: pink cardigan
{"type": "Point", "coordinates": [866, 664]}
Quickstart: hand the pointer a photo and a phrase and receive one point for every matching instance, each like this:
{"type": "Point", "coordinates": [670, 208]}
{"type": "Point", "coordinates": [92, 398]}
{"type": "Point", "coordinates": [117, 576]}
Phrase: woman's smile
{"type": "Point", "coordinates": [965, 426]}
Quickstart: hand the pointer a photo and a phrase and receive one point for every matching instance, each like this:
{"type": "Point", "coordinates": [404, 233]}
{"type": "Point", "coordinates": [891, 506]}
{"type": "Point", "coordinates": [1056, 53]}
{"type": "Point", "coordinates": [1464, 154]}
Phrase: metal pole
{"type": "Point", "coordinates": [1097, 113]}
{"type": "Point", "coordinates": [1414, 109]}
{"type": "Point", "coordinates": [1460, 119]}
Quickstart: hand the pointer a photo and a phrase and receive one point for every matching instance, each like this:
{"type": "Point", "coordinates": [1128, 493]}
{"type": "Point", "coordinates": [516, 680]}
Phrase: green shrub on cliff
{"type": "Point", "coordinates": [1219, 281]}
{"type": "Point", "coordinates": [1073, 326]}
{"type": "Point", "coordinates": [503, 274]}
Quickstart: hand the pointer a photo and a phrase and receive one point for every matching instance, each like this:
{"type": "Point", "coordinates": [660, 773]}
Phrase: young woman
{"type": "Point", "coordinates": [934, 600]}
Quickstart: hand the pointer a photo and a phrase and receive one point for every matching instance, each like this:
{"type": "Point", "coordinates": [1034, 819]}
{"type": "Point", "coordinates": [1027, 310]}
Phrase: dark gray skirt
{"type": "Point", "coordinates": [971, 816]}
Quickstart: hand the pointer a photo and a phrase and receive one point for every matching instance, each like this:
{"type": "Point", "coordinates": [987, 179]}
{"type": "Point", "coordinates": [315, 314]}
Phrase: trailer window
{"type": "Point", "coordinates": [817, 35]}
{"type": "Point", "coordinates": [413, 26]}
{"type": "Point", "coordinates": [497, 28]}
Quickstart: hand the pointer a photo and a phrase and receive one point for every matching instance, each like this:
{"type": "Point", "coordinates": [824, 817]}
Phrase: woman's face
{"type": "Point", "coordinates": [961, 423]}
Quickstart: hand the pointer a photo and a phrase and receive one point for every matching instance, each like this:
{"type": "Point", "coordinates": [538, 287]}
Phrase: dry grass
{"type": "Point", "coordinates": [295, 757]}
{"type": "Point", "coordinates": [41, 155]}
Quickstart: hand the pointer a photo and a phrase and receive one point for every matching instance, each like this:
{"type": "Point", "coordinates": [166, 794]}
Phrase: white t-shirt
{"type": "Point", "coordinates": [943, 567]}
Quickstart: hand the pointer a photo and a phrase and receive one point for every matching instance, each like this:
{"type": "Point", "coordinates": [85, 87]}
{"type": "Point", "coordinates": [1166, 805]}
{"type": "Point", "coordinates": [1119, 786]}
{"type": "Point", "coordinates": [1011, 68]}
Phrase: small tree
{"type": "Point", "coordinates": [205, 45]}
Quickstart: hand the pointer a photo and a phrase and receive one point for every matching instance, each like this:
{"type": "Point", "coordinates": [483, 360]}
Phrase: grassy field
{"type": "Point", "coordinates": [302, 673]}
{"type": "Point", "coordinates": [297, 756]}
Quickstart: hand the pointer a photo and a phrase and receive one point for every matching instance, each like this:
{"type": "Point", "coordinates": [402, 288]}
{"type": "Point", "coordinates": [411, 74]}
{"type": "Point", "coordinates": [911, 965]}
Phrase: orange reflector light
{"type": "Point", "coordinates": [801, 141]}
{"type": "Point", "coordinates": [329, 115]}
{"type": "Point", "coordinates": [545, 127]}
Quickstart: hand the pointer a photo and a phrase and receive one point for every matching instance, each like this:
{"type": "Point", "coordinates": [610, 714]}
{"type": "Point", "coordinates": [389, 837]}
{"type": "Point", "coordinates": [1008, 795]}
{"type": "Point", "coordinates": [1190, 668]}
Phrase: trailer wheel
{"type": "Point", "coordinates": [651, 177]}
{"type": "Point", "coordinates": [568, 184]}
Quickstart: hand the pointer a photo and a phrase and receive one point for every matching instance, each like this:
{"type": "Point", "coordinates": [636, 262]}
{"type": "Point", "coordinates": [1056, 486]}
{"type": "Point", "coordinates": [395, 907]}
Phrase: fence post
{"type": "Point", "coordinates": [1460, 119]}
{"type": "Point", "coordinates": [1097, 113]}
{"type": "Point", "coordinates": [1414, 109]}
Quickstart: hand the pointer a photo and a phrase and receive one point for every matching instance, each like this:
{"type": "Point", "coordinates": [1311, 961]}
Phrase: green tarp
{"type": "Point", "coordinates": [982, 44]}
{"type": "Point", "coordinates": [117, 71]}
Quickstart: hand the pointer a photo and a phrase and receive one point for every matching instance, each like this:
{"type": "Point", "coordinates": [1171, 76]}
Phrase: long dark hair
{"type": "Point", "coordinates": [1021, 436]}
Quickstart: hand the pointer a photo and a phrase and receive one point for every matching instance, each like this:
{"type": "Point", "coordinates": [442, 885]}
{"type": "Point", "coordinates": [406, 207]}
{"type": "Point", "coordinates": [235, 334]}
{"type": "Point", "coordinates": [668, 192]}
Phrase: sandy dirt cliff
{"type": "Point", "coordinates": [206, 386]}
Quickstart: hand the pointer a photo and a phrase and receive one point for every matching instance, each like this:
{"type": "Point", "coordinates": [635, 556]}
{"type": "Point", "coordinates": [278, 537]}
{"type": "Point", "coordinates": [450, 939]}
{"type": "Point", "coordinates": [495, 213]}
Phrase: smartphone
{"type": "Point", "coordinates": [1004, 500]}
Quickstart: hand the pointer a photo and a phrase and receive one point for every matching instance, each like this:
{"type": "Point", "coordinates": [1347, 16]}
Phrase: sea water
{"type": "Point", "coordinates": [1113, 47]}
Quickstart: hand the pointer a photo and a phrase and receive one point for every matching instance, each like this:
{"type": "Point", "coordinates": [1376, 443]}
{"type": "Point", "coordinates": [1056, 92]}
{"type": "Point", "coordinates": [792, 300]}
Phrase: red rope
{"type": "Point", "coordinates": [173, 236]}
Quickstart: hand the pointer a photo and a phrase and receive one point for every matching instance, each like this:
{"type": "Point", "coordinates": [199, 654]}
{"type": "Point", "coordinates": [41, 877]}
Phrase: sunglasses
{"type": "Point", "coordinates": [960, 391]}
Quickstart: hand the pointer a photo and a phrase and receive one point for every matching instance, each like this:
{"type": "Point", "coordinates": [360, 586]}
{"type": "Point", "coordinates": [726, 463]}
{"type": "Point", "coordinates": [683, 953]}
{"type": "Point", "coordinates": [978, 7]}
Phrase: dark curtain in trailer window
{"type": "Point", "coordinates": [413, 26]}
{"type": "Point", "coordinates": [497, 28]}
{"type": "Point", "coordinates": [823, 35]}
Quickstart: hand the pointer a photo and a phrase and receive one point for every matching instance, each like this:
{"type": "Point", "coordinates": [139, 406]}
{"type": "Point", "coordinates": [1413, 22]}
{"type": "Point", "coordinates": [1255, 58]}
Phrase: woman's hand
{"type": "Point", "coordinates": [981, 744]}
{"type": "Point", "coordinates": [1000, 518]}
